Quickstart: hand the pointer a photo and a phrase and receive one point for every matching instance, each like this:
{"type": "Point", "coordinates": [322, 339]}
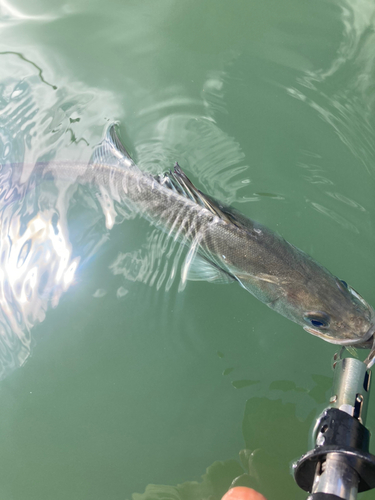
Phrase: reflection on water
{"type": "Point", "coordinates": [42, 216]}
{"type": "Point", "coordinates": [41, 240]}
{"type": "Point", "coordinates": [335, 216]}
{"type": "Point", "coordinates": [269, 448]}
{"type": "Point", "coordinates": [186, 130]}
{"type": "Point", "coordinates": [265, 456]}
{"type": "Point", "coordinates": [11, 14]}
{"type": "Point", "coordinates": [191, 82]}
{"type": "Point", "coordinates": [215, 482]}
{"type": "Point", "coordinates": [155, 263]}
{"type": "Point", "coordinates": [36, 268]}
{"type": "Point", "coordinates": [342, 93]}
{"type": "Point", "coordinates": [23, 58]}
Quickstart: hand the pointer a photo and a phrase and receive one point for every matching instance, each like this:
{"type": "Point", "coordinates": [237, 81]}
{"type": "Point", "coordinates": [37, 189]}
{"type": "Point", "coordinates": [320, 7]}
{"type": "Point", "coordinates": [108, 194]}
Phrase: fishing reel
{"type": "Point", "coordinates": [340, 466]}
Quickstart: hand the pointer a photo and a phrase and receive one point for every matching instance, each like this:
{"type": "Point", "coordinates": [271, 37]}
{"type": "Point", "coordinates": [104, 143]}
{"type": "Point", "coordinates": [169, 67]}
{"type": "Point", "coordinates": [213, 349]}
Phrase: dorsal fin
{"type": "Point", "coordinates": [111, 150]}
{"type": "Point", "coordinates": [179, 182]}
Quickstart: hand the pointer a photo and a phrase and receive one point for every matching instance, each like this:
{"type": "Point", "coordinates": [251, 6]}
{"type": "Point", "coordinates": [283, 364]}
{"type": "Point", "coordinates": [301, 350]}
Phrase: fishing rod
{"type": "Point", "coordinates": [340, 466]}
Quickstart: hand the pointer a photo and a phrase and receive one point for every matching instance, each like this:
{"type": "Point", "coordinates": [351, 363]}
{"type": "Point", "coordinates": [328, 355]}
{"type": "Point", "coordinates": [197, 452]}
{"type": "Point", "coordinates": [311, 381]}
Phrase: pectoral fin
{"type": "Point", "coordinates": [200, 269]}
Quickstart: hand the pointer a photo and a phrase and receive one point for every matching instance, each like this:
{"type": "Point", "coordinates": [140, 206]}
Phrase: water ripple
{"type": "Point", "coordinates": [335, 216]}
{"type": "Point", "coordinates": [186, 130]}
{"type": "Point", "coordinates": [342, 94]}
{"type": "Point", "coordinates": [49, 227]}
{"type": "Point", "coordinates": [156, 263]}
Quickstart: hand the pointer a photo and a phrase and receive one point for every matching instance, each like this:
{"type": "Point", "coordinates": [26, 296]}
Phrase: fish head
{"type": "Point", "coordinates": [332, 310]}
{"type": "Point", "coordinates": [322, 304]}
{"type": "Point", "coordinates": [305, 292]}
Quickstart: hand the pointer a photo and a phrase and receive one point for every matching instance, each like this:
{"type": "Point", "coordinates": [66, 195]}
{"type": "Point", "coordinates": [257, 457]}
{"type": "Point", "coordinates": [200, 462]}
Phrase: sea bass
{"type": "Point", "coordinates": [226, 246]}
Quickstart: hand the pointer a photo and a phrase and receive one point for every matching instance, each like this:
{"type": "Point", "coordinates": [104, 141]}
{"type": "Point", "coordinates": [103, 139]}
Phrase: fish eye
{"type": "Point", "coordinates": [343, 286]}
{"type": "Point", "coordinates": [317, 319]}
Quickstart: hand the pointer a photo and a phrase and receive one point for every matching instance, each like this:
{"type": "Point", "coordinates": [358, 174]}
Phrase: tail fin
{"type": "Point", "coordinates": [111, 150]}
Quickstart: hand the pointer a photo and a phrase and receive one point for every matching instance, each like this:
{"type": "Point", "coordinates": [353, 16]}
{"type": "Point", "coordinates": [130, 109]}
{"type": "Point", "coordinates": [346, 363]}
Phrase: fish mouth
{"type": "Point", "coordinates": [369, 337]}
{"type": "Point", "coordinates": [361, 342]}
{"type": "Point", "coordinates": [371, 331]}
{"type": "Point", "coordinates": [333, 340]}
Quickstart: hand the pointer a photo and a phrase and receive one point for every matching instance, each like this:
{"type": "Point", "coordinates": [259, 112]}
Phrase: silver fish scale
{"type": "Point", "coordinates": [273, 270]}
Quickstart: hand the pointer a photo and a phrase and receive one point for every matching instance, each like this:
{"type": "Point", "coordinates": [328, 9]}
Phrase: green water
{"type": "Point", "coordinates": [137, 392]}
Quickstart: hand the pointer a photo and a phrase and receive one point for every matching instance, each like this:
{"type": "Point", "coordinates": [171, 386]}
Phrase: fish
{"type": "Point", "coordinates": [225, 246]}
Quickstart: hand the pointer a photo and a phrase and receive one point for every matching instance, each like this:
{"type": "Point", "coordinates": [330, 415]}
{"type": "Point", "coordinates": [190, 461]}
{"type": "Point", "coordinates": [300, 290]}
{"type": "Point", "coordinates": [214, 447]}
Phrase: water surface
{"type": "Point", "coordinates": [134, 390]}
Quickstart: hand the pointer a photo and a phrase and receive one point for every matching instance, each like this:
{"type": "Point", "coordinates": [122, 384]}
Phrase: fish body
{"type": "Point", "coordinates": [226, 246]}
